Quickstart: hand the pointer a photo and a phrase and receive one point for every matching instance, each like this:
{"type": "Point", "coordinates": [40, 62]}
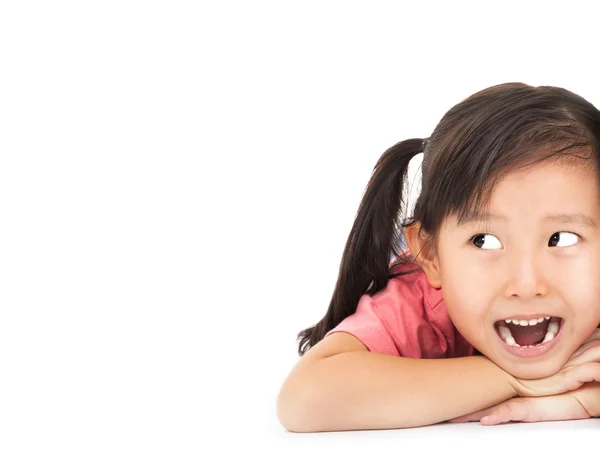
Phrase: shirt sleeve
{"type": "Point", "coordinates": [367, 325]}
{"type": "Point", "coordinates": [408, 318]}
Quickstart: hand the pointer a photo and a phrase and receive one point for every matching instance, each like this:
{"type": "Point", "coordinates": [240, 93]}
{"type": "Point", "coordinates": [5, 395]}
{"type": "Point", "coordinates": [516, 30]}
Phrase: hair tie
{"type": "Point", "coordinates": [424, 144]}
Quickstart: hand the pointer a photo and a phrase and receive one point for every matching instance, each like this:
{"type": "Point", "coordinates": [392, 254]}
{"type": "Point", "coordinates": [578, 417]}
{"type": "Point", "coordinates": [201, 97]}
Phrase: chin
{"type": "Point", "coordinates": [534, 371]}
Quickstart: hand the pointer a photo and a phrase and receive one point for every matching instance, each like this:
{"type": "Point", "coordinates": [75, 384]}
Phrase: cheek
{"type": "Point", "coordinates": [578, 279]}
{"type": "Point", "coordinates": [468, 296]}
{"type": "Point", "coordinates": [578, 289]}
{"type": "Point", "coordinates": [468, 293]}
{"type": "Point", "coordinates": [468, 310]}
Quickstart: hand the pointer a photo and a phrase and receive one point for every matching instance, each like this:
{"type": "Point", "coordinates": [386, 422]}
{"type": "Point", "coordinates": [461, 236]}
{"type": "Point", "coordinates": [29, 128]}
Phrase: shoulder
{"type": "Point", "coordinates": [416, 315]}
{"type": "Point", "coordinates": [407, 318]}
{"type": "Point", "coordinates": [409, 290]}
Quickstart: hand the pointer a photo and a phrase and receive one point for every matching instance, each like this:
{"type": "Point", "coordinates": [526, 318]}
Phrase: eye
{"type": "Point", "coordinates": [482, 240]}
{"type": "Point", "coordinates": [572, 239]}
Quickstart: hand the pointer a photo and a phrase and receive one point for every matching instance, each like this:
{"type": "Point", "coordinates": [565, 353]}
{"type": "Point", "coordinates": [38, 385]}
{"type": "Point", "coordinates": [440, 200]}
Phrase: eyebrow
{"type": "Point", "coordinates": [577, 219]}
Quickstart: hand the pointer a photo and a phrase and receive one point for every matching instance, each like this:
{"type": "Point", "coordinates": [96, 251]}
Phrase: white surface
{"type": "Point", "coordinates": [446, 442]}
{"type": "Point", "coordinates": [177, 182]}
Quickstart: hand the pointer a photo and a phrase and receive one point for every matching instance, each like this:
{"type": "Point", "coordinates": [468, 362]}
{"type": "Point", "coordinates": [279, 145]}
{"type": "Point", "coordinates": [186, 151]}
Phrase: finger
{"type": "Point", "coordinates": [589, 352]}
{"type": "Point", "coordinates": [595, 335]}
{"type": "Point", "coordinates": [554, 408]}
{"type": "Point", "coordinates": [592, 341]}
{"type": "Point", "coordinates": [584, 373]}
{"type": "Point", "coordinates": [564, 381]}
{"type": "Point", "coordinates": [511, 410]}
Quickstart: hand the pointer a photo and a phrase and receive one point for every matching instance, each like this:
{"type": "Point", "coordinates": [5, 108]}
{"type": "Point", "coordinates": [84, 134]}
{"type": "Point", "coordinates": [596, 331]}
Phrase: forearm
{"type": "Point", "coordinates": [365, 390]}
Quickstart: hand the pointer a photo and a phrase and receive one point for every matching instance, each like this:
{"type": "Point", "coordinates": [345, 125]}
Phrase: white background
{"type": "Point", "coordinates": [177, 182]}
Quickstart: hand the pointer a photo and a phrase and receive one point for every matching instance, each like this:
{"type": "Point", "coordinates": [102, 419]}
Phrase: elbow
{"type": "Point", "coordinates": [294, 410]}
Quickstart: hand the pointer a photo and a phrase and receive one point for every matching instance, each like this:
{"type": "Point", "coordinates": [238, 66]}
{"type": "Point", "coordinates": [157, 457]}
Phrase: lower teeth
{"type": "Point", "coordinates": [511, 342]}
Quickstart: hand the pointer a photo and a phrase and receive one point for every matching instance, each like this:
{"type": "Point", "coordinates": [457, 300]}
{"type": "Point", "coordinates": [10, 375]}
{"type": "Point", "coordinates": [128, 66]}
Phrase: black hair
{"type": "Point", "coordinates": [475, 144]}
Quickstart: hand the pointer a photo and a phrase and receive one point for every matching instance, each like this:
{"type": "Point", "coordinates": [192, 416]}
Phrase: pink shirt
{"type": "Point", "coordinates": [408, 319]}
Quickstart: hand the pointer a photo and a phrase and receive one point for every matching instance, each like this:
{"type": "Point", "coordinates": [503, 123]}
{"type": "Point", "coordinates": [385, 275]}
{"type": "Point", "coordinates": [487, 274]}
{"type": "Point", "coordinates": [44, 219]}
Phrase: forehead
{"type": "Point", "coordinates": [548, 183]}
{"type": "Point", "coordinates": [540, 193]}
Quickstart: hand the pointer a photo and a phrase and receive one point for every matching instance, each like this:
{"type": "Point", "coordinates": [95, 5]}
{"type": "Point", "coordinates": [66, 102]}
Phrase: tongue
{"type": "Point", "coordinates": [528, 335]}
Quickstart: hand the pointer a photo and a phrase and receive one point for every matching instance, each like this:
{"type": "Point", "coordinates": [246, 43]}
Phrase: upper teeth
{"type": "Point", "coordinates": [532, 322]}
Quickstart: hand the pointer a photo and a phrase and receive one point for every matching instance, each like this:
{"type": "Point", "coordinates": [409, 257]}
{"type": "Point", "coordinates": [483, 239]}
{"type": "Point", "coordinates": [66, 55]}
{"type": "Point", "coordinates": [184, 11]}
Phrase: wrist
{"type": "Point", "coordinates": [513, 386]}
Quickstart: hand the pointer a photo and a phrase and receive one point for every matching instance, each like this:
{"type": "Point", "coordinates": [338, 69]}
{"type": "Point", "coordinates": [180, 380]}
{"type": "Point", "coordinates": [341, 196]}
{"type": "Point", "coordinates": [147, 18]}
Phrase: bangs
{"type": "Point", "coordinates": [474, 197]}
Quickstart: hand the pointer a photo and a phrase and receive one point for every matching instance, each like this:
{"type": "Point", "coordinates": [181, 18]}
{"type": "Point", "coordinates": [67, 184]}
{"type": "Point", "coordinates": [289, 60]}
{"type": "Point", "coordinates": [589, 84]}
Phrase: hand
{"type": "Point", "coordinates": [572, 393]}
{"type": "Point", "coordinates": [582, 367]}
{"type": "Point", "coordinates": [574, 405]}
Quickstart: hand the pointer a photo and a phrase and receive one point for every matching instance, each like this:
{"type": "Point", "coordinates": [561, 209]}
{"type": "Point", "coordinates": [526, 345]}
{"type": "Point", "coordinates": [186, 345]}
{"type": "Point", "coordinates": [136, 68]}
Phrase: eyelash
{"type": "Point", "coordinates": [488, 233]}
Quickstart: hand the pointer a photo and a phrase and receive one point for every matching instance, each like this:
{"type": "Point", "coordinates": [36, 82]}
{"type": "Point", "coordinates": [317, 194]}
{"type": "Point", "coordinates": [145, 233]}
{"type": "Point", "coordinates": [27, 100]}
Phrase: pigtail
{"type": "Point", "coordinates": [373, 239]}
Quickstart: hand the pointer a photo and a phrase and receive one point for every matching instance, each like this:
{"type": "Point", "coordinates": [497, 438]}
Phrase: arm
{"type": "Point", "coordinates": [339, 385]}
{"type": "Point", "coordinates": [579, 404]}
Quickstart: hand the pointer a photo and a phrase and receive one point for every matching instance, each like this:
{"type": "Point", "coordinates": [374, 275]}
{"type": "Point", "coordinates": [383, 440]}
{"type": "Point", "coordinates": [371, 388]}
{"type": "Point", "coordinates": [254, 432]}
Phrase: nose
{"type": "Point", "coordinates": [526, 277]}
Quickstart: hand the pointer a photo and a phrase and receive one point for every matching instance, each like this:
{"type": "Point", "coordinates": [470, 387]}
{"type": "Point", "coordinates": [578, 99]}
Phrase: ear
{"type": "Point", "coordinates": [424, 255]}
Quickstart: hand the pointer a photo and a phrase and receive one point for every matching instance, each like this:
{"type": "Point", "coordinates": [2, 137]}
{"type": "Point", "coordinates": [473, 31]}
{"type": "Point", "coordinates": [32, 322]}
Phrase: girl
{"type": "Point", "coordinates": [491, 309]}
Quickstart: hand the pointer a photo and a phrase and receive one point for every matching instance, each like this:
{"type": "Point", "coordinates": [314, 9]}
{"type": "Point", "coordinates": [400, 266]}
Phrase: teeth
{"type": "Point", "coordinates": [508, 338]}
{"type": "Point", "coordinates": [532, 322]}
{"type": "Point", "coordinates": [553, 328]}
{"type": "Point", "coordinates": [504, 332]}
{"type": "Point", "coordinates": [549, 337]}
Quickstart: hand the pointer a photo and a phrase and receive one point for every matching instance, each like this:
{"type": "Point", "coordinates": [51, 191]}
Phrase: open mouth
{"type": "Point", "coordinates": [529, 332]}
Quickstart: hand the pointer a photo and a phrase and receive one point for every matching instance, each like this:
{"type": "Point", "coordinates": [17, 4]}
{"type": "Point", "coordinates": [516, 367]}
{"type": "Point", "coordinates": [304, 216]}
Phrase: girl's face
{"type": "Point", "coordinates": [538, 256]}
